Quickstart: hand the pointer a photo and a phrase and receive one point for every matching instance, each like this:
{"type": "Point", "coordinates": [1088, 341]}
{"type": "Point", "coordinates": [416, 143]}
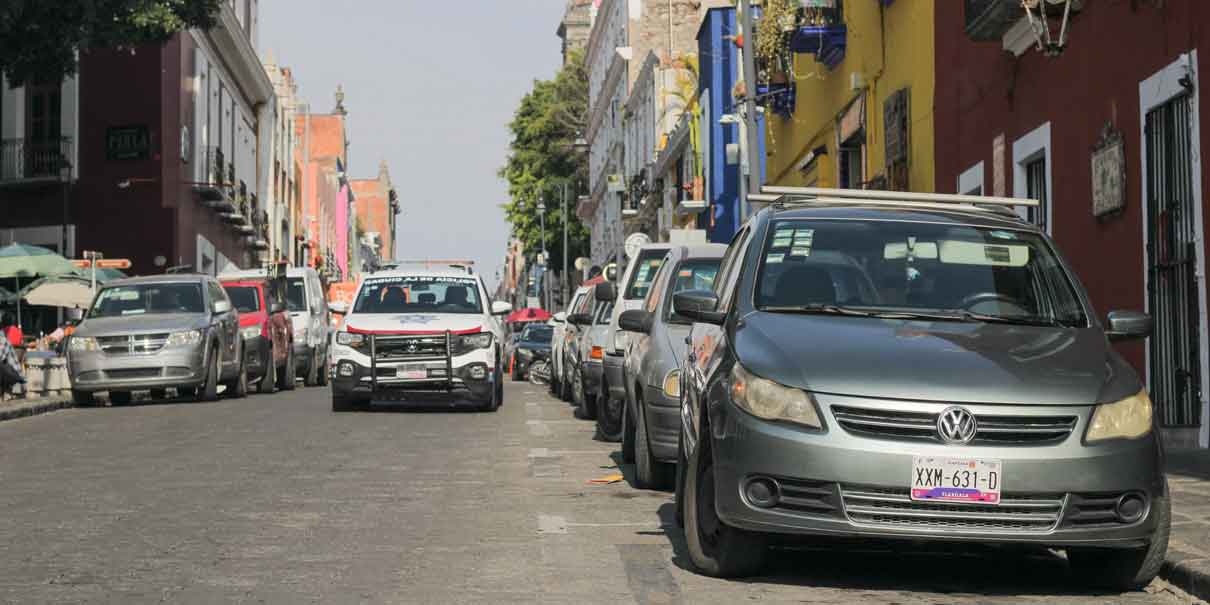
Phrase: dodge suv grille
{"type": "Point", "coordinates": [922, 426]}
{"type": "Point", "coordinates": [137, 344]}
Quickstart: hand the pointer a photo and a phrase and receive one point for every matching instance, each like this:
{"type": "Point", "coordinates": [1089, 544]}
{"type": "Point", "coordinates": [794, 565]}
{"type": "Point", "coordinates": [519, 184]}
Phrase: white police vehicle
{"type": "Point", "coordinates": [426, 334]}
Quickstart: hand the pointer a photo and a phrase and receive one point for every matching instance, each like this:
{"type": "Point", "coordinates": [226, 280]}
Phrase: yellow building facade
{"type": "Point", "coordinates": [867, 121]}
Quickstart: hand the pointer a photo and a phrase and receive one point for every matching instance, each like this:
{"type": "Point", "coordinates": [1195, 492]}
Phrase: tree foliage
{"type": "Point", "coordinates": [542, 160]}
{"type": "Point", "coordinates": [40, 39]}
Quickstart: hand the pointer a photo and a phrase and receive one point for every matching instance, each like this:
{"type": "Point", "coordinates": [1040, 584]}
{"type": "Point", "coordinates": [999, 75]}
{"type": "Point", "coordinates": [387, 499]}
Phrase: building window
{"type": "Point", "coordinates": [1035, 186]}
{"type": "Point", "coordinates": [849, 162]}
{"type": "Point", "coordinates": [970, 182]}
{"type": "Point", "coordinates": [1032, 176]}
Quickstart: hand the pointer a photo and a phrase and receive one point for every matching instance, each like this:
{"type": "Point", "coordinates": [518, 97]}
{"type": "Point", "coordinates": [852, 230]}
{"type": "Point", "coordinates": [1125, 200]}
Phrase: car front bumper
{"type": "Point", "coordinates": [615, 366]}
{"type": "Point", "coordinates": [836, 483]}
{"type": "Point", "coordinates": [92, 371]}
{"type": "Point", "coordinates": [663, 423]}
{"type": "Point", "coordinates": [469, 377]}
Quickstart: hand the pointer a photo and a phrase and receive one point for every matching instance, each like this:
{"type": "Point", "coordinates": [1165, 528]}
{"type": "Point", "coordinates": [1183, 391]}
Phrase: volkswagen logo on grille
{"type": "Point", "coordinates": [957, 425]}
{"type": "Point", "coordinates": [412, 348]}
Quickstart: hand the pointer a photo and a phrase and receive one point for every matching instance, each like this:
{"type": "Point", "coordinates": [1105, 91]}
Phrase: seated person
{"type": "Point", "coordinates": [456, 296]}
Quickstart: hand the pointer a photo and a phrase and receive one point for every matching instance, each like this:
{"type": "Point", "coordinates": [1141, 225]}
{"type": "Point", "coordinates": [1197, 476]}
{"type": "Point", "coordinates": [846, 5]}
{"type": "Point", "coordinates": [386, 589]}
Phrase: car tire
{"type": "Point", "coordinates": [159, 394]}
{"type": "Point", "coordinates": [238, 388]}
{"type": "Point", "coordinates": [609, 416]}
{"type": "Point", "coordinates": [649, 473]}
{"type": "Point", "coordinates": [285, 375]}
{"type": "Point", "coordinates": [322, 379]}
{"type": "Point", "coordinates": [209, 390]}
{"type": "Point", "coordinates": [120, 397]}
{"type": "Point", "coordinates": [268, 381]}
{"type": "Point", "coordinates": [312, 377]}
{"type": "Point", "coordinates": [678, 492]}
{"type": "Point", "coordinates": [343, 404]}
{"type": "Point", "coordinates": [497, 399]}
{"type": "Point", "coordinates": [83, 398]}
{"type": "Point", "coordinates": [627, 436]}
{"type": "Point", "coordinates": [1129, 569]}
{"type": "Point", "coordinates": [715, 548]}
{"type": "Point", "coordinates": [586, 408]}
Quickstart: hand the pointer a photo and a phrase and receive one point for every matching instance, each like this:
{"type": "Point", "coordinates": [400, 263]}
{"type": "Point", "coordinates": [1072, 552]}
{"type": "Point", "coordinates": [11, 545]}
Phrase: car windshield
{"type": "Point", "coordinates": [244, 298]}
{"type": "Point", "coordinates": [691, 275]}
{"type": "Point", "coordinates": [418, 295]}
{"type": "Point", "coordinates": [296, 294]}
{"type": "Point", "coordinates": [644, 272]}
{"type": "Point", "coordinates": [148, 299]}
{"type": "Point", "coordinates": [540, 334]}
{"type": "Point", "coordinates": [914, 270]}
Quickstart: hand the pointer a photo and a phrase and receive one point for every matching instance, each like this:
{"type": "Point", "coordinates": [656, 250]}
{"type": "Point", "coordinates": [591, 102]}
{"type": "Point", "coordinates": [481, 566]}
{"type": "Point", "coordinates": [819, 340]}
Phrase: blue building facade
{"type": "Point", "coordinates": [719, 64]}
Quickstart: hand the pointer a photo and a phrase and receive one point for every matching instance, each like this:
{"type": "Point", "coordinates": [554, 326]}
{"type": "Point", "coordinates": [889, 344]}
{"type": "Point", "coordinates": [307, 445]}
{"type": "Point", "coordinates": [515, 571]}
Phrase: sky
{"type": "Point", "coordinates": [430, 87]}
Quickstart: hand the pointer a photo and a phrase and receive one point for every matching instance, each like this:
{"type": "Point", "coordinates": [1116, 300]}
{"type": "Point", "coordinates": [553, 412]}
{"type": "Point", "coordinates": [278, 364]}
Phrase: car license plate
{"type": "Point", "coordinates": [965, 480]}
{"type": "Point", "coordinates": [414, 371]}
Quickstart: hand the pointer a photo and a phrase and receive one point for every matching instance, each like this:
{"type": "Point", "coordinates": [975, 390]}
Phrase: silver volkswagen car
{"type": "Point", "coordinates": [156, 333]}
{"type": "Point", "coordinates": [949, 381]}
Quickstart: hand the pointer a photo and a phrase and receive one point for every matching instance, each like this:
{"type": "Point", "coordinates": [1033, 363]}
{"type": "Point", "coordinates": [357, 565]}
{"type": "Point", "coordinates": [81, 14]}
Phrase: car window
{"type": "Point", "coordinates": [419, 294]}
{"type": "Point", "coordinates": [695, 274]}
{"type": "Point", "coordinates": [652, 302]}
{"type": "Point", "coordinates": [148, 299]}
{"type": "Point", "coordinates": [216, 293]}
{"type": "Point", "coordinates": [645, 267]}
{"type": "Point", "coordinates": [244, 298]}
{"type": "Point", "coordinates": [296, 294]}
{"type": "Point", "coordinates": [539, 333]}
{"type": "Point", "coordinates": [730, 268]}
{"type": "Point", "coordinates": [604, 312]}
{"type": "Point", "coordinates": [901, 266]}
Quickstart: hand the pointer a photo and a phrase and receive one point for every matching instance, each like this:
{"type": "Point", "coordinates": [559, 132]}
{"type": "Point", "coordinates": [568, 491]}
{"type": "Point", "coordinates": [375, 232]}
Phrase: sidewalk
{"type": "Point", "coordinates": [1188, 564]}
{"type": "Point", "coordinates": [20, 408]}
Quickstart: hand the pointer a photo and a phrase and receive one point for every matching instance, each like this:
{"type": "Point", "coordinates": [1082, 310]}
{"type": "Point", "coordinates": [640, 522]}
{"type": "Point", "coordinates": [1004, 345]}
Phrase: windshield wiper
{"type": "Point", "coordinates": [1020, 320]}
{"type": "Point", "coordinates": [821, 309]}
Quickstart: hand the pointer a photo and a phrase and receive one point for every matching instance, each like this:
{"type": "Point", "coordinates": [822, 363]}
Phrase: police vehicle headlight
{"type": "Point", "coordinates": [466, 343]}
{"type": "Point", "coordinates": [350, 339]}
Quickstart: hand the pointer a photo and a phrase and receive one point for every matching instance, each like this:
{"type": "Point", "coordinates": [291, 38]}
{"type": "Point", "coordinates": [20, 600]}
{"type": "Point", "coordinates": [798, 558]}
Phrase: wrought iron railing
{"type": "Point", "coordinates": [23, 159]}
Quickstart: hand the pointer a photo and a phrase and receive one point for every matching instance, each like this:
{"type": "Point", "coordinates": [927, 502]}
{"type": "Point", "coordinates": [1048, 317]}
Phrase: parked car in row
{"type": "Point", "coordinates": [564, 349]}
{"type": "Point", "coordinates": [871, 367]}
{"type": "Point", "coordinates": [309, 315]}
{"type": "Point", "coordinates": [591, 337]}
{"type": "Point", "coordinates": [652, 421]}
{"type": "Point", "coordinates": [532, 344]}
{"type": "Point", "coordinates": [266, 329]}
{"type": "Point", "coordinates": [176, 331]}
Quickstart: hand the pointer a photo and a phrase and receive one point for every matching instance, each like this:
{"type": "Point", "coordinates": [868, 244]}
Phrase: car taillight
{"type": "Point", "coordinates": [597, 353]}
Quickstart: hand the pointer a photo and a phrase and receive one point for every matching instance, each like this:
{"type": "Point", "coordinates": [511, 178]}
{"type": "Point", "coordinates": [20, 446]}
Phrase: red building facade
{"type": "Point", "coordinates": [1109, 136]}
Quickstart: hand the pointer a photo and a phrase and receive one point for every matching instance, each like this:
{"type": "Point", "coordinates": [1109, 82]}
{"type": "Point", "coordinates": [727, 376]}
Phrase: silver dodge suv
{"type": "Point", "coordinates": [154, 333]}
{"type": "Point", "coordinates": [913, 370]}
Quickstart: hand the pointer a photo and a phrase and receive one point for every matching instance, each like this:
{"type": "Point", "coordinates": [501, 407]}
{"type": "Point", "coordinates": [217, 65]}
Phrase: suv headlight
{"type": "Point", "coordinates": [466, 343]}
{"type": "Point", "coordinates": [350, 339]}
{"type": "Point", "coordinates": [250, 332]}
{"type": "Point", "coordinates": [1125, 419]}
{"type": "Point", "coordinates": [83, 343]}
{"type": "Point", "coordinates": [190, 337]}
{"type": "Point", "coordinates": [771, 401]}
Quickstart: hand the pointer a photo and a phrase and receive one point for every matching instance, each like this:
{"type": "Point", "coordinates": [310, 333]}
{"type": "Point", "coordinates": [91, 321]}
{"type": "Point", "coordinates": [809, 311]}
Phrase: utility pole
{"type": "Point", "coordinates": [748, 147]}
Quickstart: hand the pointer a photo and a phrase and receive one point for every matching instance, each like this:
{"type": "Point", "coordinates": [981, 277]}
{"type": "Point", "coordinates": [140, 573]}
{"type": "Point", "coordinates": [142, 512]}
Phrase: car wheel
{"type": "Point", "coordinates": [322, 379]}
{"type": "Point", "coordinates": [1125, 569]}
{"type": "Point", "coordinates": [627, 436]}
{"type": "Point", "coordinates": [119, 397]}
{"type": "Point", "coordinates": [209, 390]}
{"type": "Point", "coordinates": [238, 388]}
{"type": "Point", "coordinates": [159, 394]}
{"type": "Point", "coordinates": [649, 473]}
{"type": "Point", "coordinates": [268, 381]}
{"type": "Point", "coordinates": [497, 399]}
{"type": "Point", "coordinates": [715, 548]}
{"type": "Point", "coordinates": [566, 386]}
{"type": "Point", "coordinates": [678, 498]}
{"type": "Point", "coordinates": [587, 407]}
{"type": "Point", "coordinates": [83, 398]}
{"type": "Point", "coordinates": [285, 375]}
{"type": "Point", "coordinates": [343, 404]}
{"type": "Point", "coordinates": [312, 378]}
{"type": "Point", "coordinates": [609, 416]}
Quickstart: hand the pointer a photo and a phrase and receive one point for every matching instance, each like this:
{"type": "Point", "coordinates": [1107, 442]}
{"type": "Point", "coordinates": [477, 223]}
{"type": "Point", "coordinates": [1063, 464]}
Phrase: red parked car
{"type": "Point", "coordinates": [268, 334]}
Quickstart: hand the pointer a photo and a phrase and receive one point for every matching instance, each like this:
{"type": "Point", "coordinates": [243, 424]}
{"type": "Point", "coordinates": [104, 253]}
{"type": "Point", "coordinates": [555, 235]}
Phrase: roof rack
{"type": "Point", "coordinates": [872, 197]}
{"type": "Point", "coordinates": [461, 265]}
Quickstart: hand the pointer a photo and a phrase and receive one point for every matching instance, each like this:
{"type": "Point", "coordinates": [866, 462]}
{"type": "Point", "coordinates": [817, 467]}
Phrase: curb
{"type": "Point", "coordinates": [34, 408]}
{"type": "Point", "coordinates": [1187, 572]}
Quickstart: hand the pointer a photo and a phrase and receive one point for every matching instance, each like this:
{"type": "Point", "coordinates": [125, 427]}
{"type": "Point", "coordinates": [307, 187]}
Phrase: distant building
{"type": "Point", "coordinates": [283, 192]}
{"type": "Point", "coordinates": [325, 191]}
{"type": "Point", "coordinates": [576, 25]}
{"type": "Point", "coordinates": [377, 206]}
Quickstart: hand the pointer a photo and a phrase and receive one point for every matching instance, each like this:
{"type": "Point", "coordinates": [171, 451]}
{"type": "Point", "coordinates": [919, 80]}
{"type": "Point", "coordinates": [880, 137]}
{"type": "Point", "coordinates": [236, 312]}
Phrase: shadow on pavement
{"type": "Point", "coordinates": [1194, 464]}
{"type": "Point", "coordinates": [903, 566]}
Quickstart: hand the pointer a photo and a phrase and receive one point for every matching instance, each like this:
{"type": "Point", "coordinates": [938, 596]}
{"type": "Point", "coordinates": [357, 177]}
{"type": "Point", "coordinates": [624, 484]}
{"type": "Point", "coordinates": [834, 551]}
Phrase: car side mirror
{"type": "Point", "coordinates": [221, 306]}
{"type": "Point", "coordinates": [276, 307]}
{"type": "Point", "coordinates": [611, 272]}
{"type": "Point", "coordinates": [338, 307]}
{"type": "Point", "coordinates": [1128, 325]}
{"type": "Point", "coordinates": [560, 317]}
{"type": "Point", "coordinates": [579, 319]}
{"type": "Point", "coordinates": [605, 292]}
{"type": "Point", "coordinates": [698, 305]}
{"type": "Point", "coordinates": [500, 307]}
{"type": "Point", "coordinates": [635, 320]}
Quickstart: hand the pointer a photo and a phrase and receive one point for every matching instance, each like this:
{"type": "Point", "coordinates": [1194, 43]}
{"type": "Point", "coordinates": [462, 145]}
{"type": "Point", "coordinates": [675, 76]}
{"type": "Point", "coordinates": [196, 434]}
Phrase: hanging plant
{"type": "Point", "coordinates": [777, 24]}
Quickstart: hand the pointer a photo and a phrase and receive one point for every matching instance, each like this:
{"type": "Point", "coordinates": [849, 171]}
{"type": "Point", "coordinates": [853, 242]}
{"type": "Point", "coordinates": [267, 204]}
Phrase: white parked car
{"type": "Point", "coordinates": [427, 334]}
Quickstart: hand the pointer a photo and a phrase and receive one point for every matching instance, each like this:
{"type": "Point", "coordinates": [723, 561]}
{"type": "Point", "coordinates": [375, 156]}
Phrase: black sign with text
{"type": "Point", "coordinates": [127, 143]}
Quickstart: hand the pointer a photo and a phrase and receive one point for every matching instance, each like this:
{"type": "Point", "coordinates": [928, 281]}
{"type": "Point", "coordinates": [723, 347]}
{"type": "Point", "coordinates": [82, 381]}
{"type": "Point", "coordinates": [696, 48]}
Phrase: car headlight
{"type": "Point", "coordinates": [350, 339]}
{"type": "Point", "coordinates": [771, 401]}
{"type": "Point", "coordinates": [672, 384]}
{"type": "Point", "coordinates": [249, 332]}
{"type": "Point", "coordinates": [83, 343]}
{"type": "Point", "coordinates": [469, 342]}
{"type": "Point", "coordinates": [190, 337]}
{"type": "Point", "coordinates": [524, 353]}
{"type": "Point", "coordinates": [1125, 419]}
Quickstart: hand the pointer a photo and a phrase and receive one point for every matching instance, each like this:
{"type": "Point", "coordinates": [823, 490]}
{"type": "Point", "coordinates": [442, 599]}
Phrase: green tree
{"type": "Point", "coordinates": [40, 39]}
{"type": "Point", "coordinates": [542, 160]}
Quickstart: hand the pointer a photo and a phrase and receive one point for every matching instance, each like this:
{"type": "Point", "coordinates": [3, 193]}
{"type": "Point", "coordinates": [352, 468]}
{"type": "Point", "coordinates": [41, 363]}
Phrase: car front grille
{"type": "Point", "coordinates": [403, 348]}
{"type": "Point", "coordinates": [136, 344]}
{"type": "Point", "coordinates": [1018, 513]}
{"type": "Point", "coordinates": [922, 426]}
{"type": "Point", "coordinates": [133, 373]}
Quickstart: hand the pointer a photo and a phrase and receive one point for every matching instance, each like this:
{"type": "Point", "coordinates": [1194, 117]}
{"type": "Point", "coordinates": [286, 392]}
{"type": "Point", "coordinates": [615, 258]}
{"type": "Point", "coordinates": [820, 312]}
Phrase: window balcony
{"type": "Point", "coordinates": [778, 97]}
{"type": "Point", "coordinates": [822, 32]}
{"type": "Point", "coordinates": [260, 230]}
{"type": "Point", "coordinates": [218, 190]}
{"type": "Point", "coordinates": [27, 161]}
{"type": "Point", "coordinates": [988, 20]}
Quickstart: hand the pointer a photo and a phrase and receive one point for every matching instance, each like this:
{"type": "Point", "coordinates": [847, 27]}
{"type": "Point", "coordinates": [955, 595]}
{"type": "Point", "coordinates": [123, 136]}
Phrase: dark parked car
{"type": "Point", "coordinates": [532, 344]}
{"type": "Point", "coordinates": [948, 381]}
{"type": "Point", "coordinates": [652, 420]}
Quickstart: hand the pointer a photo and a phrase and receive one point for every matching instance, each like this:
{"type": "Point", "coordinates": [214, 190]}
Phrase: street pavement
{"type": "Point", "coordinates": [275, 499]}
